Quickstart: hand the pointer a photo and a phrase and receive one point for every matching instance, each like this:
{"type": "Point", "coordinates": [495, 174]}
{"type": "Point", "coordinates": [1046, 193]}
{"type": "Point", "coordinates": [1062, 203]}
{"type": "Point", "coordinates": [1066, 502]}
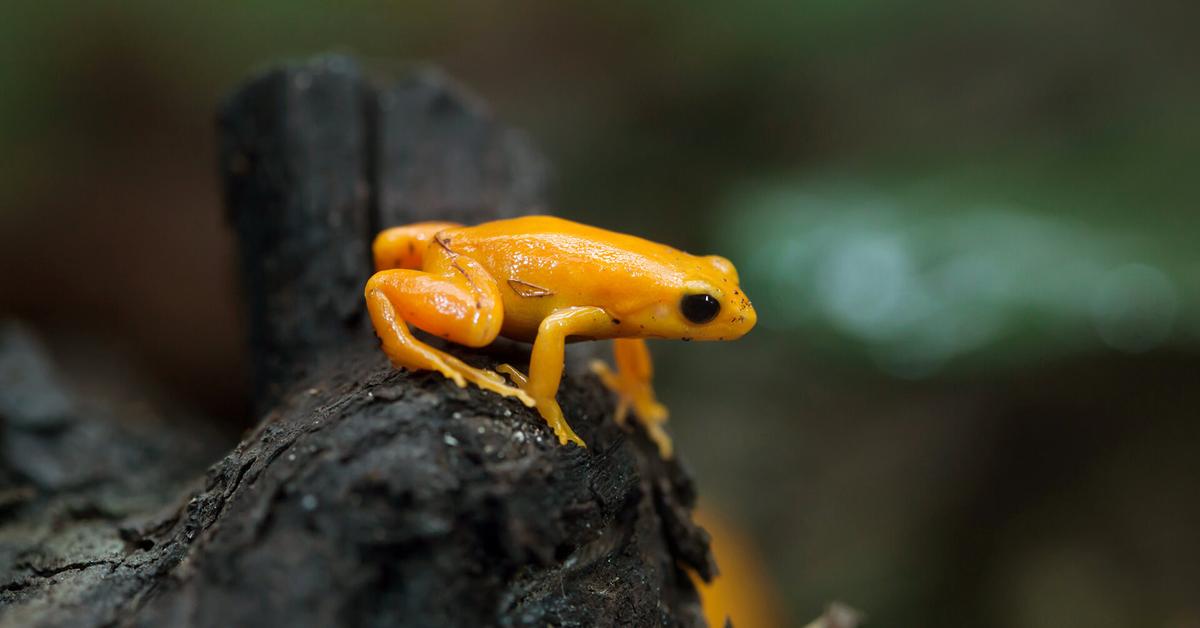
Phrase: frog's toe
{"type": "Point", "coordinates": [492, 377]}
{"type": "Point", "coordinates": [659, 436]}
{"type": "Point", "coordinates": [606, 375]}
{"type": "Point", "coordinates": [566, 435]}
{"type": "Point", "coordinates": [450, 373]}
{"type": "Point", "coordinates": [518, 378]}
{"type": "Point", "coordinates": [511, 391]}
{"type": "Point", "coordinates": [489, 380]}
{"type": "Point", "coordinates": [463, 373]}
{"type": "Point", "coordinates": [621, 416]}
{"type": "Point", "coordinates": [571, 437]}
{"type": "Point", "coordinates": [651, 411]}
{"type": "Point", "coordinates": [552, 413]}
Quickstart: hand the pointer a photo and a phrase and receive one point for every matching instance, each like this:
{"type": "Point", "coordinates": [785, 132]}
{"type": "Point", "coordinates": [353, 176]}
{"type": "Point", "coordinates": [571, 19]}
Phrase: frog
{"type": "Point", "coordinates": [548, 281]}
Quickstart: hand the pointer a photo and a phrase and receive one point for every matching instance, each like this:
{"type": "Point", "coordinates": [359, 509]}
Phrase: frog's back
{"type": "Point", "coordinates": [543, 263]}
{"type": "Point", "coordinates": [564, 240]}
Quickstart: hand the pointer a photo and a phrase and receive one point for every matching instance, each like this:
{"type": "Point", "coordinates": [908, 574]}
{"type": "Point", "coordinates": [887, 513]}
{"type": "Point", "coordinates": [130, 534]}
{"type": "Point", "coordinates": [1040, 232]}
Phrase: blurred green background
{"type": "Point", "coordinates": [969, 229]}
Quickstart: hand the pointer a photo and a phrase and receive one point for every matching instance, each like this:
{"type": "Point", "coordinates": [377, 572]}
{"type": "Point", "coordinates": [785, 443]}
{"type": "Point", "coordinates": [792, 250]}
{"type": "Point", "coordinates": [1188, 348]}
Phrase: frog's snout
{"type": "Point", "coordinates": [748, 316]}
{"type": "Point", "coordinates": [742, 318]}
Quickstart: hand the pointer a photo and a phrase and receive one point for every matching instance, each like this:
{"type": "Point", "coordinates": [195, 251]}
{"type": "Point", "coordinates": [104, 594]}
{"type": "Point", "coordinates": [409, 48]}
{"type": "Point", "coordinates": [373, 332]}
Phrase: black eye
{"type": "Point", "coordinates": [699, 308]}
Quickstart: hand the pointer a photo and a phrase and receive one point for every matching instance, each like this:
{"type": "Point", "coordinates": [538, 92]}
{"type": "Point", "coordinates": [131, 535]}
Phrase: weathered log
{"type": "Point", "coordinates": [367, 496]}
{"type": "Point", "coordinates": [294, 159]}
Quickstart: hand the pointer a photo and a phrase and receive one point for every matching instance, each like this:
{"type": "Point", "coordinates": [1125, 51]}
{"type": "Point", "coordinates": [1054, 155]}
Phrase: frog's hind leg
{"type": "Point", "coordinates": [404, 247]}
{"type": "Point", "coordinates": [461, 304]}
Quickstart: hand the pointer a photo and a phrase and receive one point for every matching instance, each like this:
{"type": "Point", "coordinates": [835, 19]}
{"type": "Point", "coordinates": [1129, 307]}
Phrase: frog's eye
{"type": "Point", "coordinates": [699, 308]}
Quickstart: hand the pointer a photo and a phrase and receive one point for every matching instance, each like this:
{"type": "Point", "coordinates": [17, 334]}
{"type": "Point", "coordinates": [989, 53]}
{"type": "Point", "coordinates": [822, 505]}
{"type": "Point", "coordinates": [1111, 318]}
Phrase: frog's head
{"type": "Point", "coordinates": [706, 303]}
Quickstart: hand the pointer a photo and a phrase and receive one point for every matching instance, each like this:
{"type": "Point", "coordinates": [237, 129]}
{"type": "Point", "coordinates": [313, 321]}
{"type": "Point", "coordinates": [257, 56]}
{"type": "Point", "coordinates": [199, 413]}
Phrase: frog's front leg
{"type": "Point", "coordinates": [455, 298]}
{"type": "Point", "coordinates": [546, 362]}
{"type": "Point", "coordinates": [633, 383]}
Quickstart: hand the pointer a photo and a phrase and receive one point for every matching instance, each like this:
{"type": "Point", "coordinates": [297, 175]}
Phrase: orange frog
{"type": "Point", "coordinates": [548, 281]}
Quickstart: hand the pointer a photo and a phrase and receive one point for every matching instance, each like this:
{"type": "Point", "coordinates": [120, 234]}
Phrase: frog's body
{"type": "Point", "coordinates": [546, 280]}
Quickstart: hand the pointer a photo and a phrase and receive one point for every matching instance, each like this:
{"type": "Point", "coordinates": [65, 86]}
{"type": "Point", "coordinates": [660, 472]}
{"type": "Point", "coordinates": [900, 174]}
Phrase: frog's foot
{"type": "Point", "coordinates": [406, 351]}
{"type": "Point", "coordinates": [548, 408]}
{"type": "Point", "coordinates": [657, 434]}
{"type": "Point", "coordinates": [630, 394]}
{"type": "Point", "coordinates": [483, 378]}
{"type": "Point", "coordinates": [552, 413]}
{"type": "Point", "coordinates": [610, 381]}
{"type": "Point", "coordinates": [635, 393]}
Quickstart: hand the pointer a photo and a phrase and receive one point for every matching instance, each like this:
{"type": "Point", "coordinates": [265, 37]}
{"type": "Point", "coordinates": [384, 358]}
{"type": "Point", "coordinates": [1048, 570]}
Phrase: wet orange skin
{"type": "Point", "coordinates": [548, 280]}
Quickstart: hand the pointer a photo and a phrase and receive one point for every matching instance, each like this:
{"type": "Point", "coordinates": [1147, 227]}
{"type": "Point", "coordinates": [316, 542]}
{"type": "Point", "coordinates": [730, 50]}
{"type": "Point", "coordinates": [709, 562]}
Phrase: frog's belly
{"type": "Point", "coordinates": [519, 331]}
{"type": "Point", "coordinates": [521, 320]}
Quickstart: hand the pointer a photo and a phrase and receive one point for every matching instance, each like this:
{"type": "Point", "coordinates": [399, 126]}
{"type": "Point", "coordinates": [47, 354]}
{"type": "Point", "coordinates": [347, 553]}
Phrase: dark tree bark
{"type": "Point", "coordinates": [366, 496]}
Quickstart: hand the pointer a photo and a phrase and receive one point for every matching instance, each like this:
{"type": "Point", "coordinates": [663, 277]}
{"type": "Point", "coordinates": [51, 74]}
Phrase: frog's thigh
{"type": "Point", "coordinates": [546, 362]}
{"type": "Point", "coordinates": [453, 298]}
{"type": "Point", "coordinates": [404, 247]}
{"type": "Point", "coordinates": [458, 304]}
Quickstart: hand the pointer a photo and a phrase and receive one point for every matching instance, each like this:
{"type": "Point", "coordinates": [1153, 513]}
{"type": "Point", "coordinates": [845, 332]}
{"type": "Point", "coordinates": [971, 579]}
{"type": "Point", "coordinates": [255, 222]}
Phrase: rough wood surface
{"type": "Point", "coordinates": [295, 150]}
{"type": "Point", "coordinates": [366, 496]}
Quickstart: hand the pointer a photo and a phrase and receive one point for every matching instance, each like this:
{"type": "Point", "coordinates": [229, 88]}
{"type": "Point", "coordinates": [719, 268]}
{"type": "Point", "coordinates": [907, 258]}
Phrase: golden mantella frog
{"type": "Point", "coordinates": [548, 281]}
